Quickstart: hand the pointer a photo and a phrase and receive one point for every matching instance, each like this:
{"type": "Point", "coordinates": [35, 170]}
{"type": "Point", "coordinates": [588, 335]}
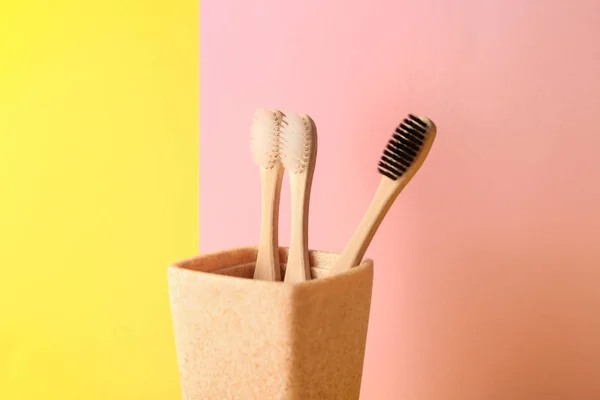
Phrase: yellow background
{"type": "Point", "coordinates": [99, 192]}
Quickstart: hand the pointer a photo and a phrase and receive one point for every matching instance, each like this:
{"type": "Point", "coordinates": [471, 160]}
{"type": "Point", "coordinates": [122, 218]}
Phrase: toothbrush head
{"type": "Point", "coordinates": [408, 147]}
{"type": "Point", "coordinates": [264, 137]}
{"type": "Point", "coordinates": [297, 142]}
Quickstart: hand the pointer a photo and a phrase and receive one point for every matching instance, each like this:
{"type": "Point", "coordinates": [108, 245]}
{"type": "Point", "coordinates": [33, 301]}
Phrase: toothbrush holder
{"type": "Point", "coordinates": [242, 339]}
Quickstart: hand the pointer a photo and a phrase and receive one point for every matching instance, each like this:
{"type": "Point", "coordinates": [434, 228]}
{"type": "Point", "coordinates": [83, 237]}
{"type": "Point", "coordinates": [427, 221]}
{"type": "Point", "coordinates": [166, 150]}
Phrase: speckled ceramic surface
{"type": "Point", "coordinates": [237, 338]}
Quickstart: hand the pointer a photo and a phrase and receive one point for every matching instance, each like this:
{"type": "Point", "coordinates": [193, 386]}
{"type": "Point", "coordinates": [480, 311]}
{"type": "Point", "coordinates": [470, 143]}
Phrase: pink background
{"type": "Point", "coordinates": [487, 267]}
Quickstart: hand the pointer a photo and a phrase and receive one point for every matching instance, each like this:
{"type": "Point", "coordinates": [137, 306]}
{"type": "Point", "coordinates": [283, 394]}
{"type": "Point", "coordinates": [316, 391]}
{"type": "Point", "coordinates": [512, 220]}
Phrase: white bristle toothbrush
{"type": "Point", "coordinates": [405, 153]}
{"type": "Point", "coordinates": [264, 143]}
{"type": "Point", "coordinates": [298, 152]}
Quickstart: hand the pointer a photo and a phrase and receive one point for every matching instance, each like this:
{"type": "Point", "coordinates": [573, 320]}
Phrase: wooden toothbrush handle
{"type": "Point", "coordinates": [298, 264]}
{"type": "Point", "coordinates": [267, 261]}
{"type": "Point", "coordinates": [356, 248]}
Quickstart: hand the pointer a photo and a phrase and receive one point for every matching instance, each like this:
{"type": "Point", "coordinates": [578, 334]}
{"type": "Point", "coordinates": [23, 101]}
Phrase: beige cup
{"type": "Point", "coordinates": [243, 339]}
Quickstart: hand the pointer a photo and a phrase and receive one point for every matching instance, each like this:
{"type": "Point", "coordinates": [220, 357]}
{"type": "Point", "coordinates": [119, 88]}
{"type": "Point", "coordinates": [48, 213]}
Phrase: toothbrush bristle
{"type": "Point", "coordinates": [296, 142]}
{"type": "Point", "coordinates": [404, 147]}
{"type": "Point", "coordinates": [264, 137]}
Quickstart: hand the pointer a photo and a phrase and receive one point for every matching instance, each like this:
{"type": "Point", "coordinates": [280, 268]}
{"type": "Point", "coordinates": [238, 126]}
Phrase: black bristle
{"type": "Point", "coordinates": [418, 142]}
{"type": "Point", "coordinates": [418, 121]}
{"type": "Point", "coordinates": [393, 164]}
{"type": "Point", "coordinates": [401, 150]}
{"type": "Point", "coordinates": [383, 171]}
{"type": "Point", "coordinates": [394, 157]}
{"type": "Point", "coordinates": [403, 147]}
{"type": "Point", "coordinates": [414, 126]}
{"type": "Point", "coordinates": [399, 137]}
{"type": "Point", "coordinates": [402, 144]}
{"type": "Point", "coordinates": [413, 132]}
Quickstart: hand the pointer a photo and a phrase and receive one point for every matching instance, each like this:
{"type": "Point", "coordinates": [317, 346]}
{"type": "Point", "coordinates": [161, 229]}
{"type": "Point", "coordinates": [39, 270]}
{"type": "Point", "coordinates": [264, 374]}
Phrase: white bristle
{"type": "Point", "coordinates": [296, 142]}
{"type": "Point", "coordinates": [264, 137]}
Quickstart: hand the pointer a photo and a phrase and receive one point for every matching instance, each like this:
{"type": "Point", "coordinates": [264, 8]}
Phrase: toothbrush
{"type": "Point", "coordinates": [264, 144]}
{"type": "Point", "coordinates": [405, 153]}
{"type": "Point", "coordinates": [298, 152]}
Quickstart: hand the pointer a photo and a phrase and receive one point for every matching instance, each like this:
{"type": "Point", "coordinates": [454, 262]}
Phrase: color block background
{"type": "Point", "coordinates": [99, 192]}
{"type": "Point", "coordinates": [486, 282]}
{"type": "Point", "coordinates": [487, 267]}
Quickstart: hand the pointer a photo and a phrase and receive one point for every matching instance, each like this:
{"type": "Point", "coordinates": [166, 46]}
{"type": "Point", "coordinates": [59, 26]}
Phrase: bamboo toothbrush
{"type": "Point", "coordinates": [298, 152]}
{"type": "Point", "coordinates": [264, 143]}
{"type": "Point", "coordinates": [405, 153]}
